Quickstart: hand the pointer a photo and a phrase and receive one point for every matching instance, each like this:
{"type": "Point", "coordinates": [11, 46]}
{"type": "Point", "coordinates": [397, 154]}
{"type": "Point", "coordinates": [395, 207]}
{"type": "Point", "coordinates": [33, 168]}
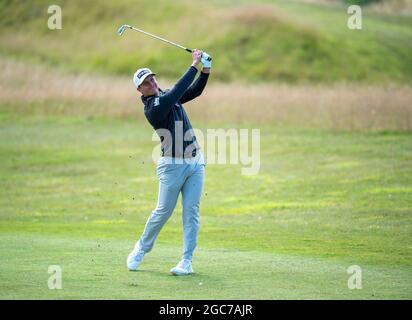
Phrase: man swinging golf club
{"type": "Point", "coordinates": [181, 167]}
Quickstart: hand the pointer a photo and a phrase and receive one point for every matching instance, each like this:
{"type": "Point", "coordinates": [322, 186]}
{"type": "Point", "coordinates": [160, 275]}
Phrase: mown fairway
{"type": "Point", "coordinates": [76, 192]}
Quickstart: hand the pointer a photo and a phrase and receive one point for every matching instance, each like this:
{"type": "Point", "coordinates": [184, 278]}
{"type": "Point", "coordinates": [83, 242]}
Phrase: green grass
{"type": "Point", "coordinates": [77, 191]}
{"type": "Point", "coordinates": [279, 40]}
{"type": "Point", "coordinates": [94, 269]}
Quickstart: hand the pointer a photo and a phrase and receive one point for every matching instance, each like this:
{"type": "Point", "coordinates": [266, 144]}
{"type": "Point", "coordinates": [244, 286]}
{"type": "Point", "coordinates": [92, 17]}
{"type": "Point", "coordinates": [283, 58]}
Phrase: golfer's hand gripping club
{"type": "Point", "coordinates": [206, 60]}
{"type": "Point", "coordinates": [196, 57]}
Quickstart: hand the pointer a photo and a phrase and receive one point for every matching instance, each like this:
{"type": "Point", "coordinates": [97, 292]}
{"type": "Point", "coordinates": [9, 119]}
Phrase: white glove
{"type": "Point", "coordinates": [206, 60]}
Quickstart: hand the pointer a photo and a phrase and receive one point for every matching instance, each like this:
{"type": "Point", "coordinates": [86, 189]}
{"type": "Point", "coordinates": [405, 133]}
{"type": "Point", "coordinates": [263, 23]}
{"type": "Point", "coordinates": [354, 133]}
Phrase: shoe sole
{"type": "Point", "coordinates": [180, 274]}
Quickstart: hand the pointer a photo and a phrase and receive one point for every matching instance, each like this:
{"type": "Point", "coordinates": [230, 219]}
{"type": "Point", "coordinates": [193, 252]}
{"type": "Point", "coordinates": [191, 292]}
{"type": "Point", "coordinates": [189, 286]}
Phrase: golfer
{"type": "Point", "coordinates": [181, 168]}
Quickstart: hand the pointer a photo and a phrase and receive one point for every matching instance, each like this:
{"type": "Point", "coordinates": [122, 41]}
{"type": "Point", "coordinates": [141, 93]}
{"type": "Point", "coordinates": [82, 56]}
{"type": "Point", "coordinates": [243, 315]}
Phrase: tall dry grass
{"type": "Point", "coordinates": [38, 90]}
{"type": "Point", "coordinates": [344, 106]}
{"type": "Point", "coordinates": [386, 6]}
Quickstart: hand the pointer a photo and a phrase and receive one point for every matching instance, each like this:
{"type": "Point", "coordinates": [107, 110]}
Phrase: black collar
{"type": "Point", "coordinates": [145, 98]}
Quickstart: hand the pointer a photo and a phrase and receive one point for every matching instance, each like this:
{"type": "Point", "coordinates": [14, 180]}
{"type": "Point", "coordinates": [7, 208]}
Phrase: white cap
{"type": "Point", "coordinates": [140, 75]}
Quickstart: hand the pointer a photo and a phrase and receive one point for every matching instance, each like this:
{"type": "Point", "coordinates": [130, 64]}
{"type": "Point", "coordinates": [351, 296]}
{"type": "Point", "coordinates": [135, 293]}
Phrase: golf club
{"type": "Point", "coordinates": [126, 26]}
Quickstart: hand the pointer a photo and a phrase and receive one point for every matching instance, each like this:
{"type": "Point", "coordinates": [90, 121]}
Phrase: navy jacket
{"type": "Point", "coordinates": [168, 117]}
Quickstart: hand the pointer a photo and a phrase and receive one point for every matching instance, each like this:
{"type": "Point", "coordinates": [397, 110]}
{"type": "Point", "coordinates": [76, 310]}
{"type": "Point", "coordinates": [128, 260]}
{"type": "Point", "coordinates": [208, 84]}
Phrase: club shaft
{"type": "Point", "coordinates": [159, 38]}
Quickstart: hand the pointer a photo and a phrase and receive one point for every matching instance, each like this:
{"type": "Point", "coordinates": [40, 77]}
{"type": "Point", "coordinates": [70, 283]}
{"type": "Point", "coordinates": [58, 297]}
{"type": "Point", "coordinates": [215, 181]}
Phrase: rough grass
{"type": "Point", "coordinates": [284, 41]}
{"type": "Point", "coordinates": [38, 90]}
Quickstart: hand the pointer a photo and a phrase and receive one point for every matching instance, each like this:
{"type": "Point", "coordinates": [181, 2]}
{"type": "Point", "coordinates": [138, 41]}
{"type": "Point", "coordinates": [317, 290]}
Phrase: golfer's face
{"type": "Point", "coordinates": [149, 86]}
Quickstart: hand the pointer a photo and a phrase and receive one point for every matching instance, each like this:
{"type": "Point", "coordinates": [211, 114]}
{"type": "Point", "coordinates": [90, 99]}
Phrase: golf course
{"type": "Point", "coordinates": [333, 108]}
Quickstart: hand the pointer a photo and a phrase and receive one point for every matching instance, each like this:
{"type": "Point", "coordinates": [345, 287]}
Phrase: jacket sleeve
{"type": "Point", "coordinates": [196, 88]}
{"type": "Point", "coordinates": [159, 107]}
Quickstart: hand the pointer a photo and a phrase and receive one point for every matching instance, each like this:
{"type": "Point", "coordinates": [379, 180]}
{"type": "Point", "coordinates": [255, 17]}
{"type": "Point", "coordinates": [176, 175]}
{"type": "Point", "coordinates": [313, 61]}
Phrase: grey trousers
{"type": "Point", "coordinates": [187, 178]}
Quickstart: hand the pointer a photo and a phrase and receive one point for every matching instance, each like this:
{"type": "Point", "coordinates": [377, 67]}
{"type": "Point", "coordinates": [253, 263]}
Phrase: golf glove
{"type": "Point", "coordinates": [206, 60]}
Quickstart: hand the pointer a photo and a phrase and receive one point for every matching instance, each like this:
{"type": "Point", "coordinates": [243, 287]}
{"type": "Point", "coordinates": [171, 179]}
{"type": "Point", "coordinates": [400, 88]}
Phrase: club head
{"type": "Point", "coordinates": [122, 29]}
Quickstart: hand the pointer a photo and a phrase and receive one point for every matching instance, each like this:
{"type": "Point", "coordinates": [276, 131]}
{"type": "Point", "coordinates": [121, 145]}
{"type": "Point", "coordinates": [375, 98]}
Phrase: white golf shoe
{"type": "Point", "coordinates": [135, 258]}
{"type": "Point", "coordinates": [183, 268]}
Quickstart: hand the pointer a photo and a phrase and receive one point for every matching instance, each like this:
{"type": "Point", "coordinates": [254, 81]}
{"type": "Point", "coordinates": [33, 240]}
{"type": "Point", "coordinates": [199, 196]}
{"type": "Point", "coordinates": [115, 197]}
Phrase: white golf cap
{"type": "Point", "coordinates": [140, 75]}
